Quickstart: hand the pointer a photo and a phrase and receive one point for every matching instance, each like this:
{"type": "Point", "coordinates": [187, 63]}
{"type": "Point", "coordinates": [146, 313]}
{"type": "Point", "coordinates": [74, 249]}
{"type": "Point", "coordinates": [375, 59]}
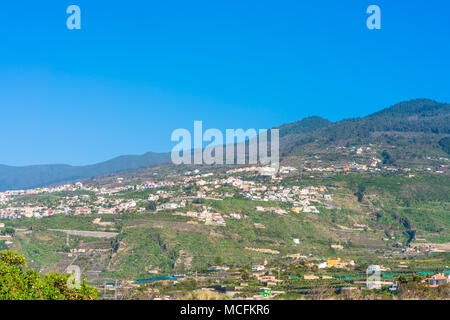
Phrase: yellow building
{"type": "Point", "coordinates": [296, 210]}
{"type": "Point", "coordinates": [336, 263]}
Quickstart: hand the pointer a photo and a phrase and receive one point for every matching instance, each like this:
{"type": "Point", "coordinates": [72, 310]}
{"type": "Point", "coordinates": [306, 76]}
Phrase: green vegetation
{"type": "Point", "coordinates": [416, 129]}
{"type": "Point", "coordinates": [59, 221]}
{"type": "Point", "coordinates": [17, 282]}
{"type": "Point", "coordinates": [445, 144]}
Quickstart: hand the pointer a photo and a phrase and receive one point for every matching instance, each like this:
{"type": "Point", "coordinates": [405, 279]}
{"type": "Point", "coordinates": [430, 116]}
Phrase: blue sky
{"type": "Point", "coordinates": [137, 70]}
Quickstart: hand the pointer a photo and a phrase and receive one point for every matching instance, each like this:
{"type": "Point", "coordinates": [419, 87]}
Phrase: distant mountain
{"type": "Point", "coordinates": [417, 125]}
{"type": "Point", "coordinates": [12, 178]}
{"type": "Point", "coordinates": [411, 130]}
{"type": "Point", "coordinates": [303, 126]}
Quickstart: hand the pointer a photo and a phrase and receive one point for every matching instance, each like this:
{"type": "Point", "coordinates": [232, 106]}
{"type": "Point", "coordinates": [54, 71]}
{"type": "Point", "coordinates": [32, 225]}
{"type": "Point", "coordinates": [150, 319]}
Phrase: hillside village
{"type": "Point", "coordinates": [249, 189]}
{"type": "Point", "coordinates": [203, 200]}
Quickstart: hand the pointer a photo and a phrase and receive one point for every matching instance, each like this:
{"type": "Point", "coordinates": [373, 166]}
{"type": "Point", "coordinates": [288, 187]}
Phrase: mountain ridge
{"type": "Point", "coordinates": [12, 177]}
{"type": "Point", "coordinates": [425, 119]}
{"type": "Point", "coordinates": [409, 124]}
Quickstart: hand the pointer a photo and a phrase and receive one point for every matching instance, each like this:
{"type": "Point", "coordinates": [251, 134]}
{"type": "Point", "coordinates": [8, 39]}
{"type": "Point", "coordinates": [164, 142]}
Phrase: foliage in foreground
{"type": "Point", "coordinates": [18, 282]}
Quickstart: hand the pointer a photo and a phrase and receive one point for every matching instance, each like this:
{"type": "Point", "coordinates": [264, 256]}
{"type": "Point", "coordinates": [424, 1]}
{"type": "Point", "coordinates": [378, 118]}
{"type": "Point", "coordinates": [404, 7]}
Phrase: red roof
{"type": "Point", "coordinates": [438, 277]}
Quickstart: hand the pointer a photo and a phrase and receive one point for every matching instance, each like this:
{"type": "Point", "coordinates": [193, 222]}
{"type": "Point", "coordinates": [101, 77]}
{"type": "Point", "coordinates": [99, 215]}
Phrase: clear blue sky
{"type": "Point", "coordinates": [137, 70]}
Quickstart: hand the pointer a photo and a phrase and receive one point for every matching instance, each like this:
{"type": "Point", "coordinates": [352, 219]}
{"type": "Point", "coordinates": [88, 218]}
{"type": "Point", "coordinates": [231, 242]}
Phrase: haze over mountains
{"type": "Point", "coordinates": [416, 128]}
{"type": "Point", "coordinates": [40, 175]}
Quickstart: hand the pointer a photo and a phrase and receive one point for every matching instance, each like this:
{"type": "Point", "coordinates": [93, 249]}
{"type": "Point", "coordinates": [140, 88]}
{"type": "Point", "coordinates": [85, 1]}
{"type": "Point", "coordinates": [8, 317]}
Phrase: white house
{"type": "Point", "coordinates": [258, 268]}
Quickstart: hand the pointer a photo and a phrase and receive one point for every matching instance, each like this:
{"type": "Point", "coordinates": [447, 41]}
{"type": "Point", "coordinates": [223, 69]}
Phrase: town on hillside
{"type": "Point", "coordinates": [246, 232]}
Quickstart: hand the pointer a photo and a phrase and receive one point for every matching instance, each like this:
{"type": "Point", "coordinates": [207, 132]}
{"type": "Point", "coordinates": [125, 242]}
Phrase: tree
{"type": "Point", "coordinates": [444, 143]}
{"type": "Point", "coordinates": [10, 231]}
{"type": "Point", "coordinates": [218, 260]}
{"type": "Point", "coordinates": [387, 158]}
{"type": "Point", "coordinates": [245, 275]}
{"type": "Point", "coordinates": [360, 193]}
{"type": "Point", "coordinates": [321, 292]}
{"type": "Point", "coordinates": [18, 282]}
{"type": "Point", "coordinates": [151, 206]}
{"type": "Point", "coordinates": [413, 290]}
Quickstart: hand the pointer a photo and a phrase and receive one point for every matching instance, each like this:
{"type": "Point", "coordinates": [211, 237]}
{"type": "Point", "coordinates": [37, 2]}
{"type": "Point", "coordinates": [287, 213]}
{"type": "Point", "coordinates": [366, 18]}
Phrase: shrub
{"type": "Point", "coordinates": [18, 282]}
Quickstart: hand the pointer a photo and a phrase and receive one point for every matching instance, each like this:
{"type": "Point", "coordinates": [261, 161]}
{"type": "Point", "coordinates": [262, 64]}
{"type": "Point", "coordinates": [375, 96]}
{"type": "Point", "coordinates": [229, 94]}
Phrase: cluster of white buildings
{"type": "Point", "coordinates": [206, 216]}
{"type": "Point", "coordinates": [29, 212]}
{"type": "Point", "coordinates": [106, 199]}
{"type": "Point", "coordinates": [300, 198]}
